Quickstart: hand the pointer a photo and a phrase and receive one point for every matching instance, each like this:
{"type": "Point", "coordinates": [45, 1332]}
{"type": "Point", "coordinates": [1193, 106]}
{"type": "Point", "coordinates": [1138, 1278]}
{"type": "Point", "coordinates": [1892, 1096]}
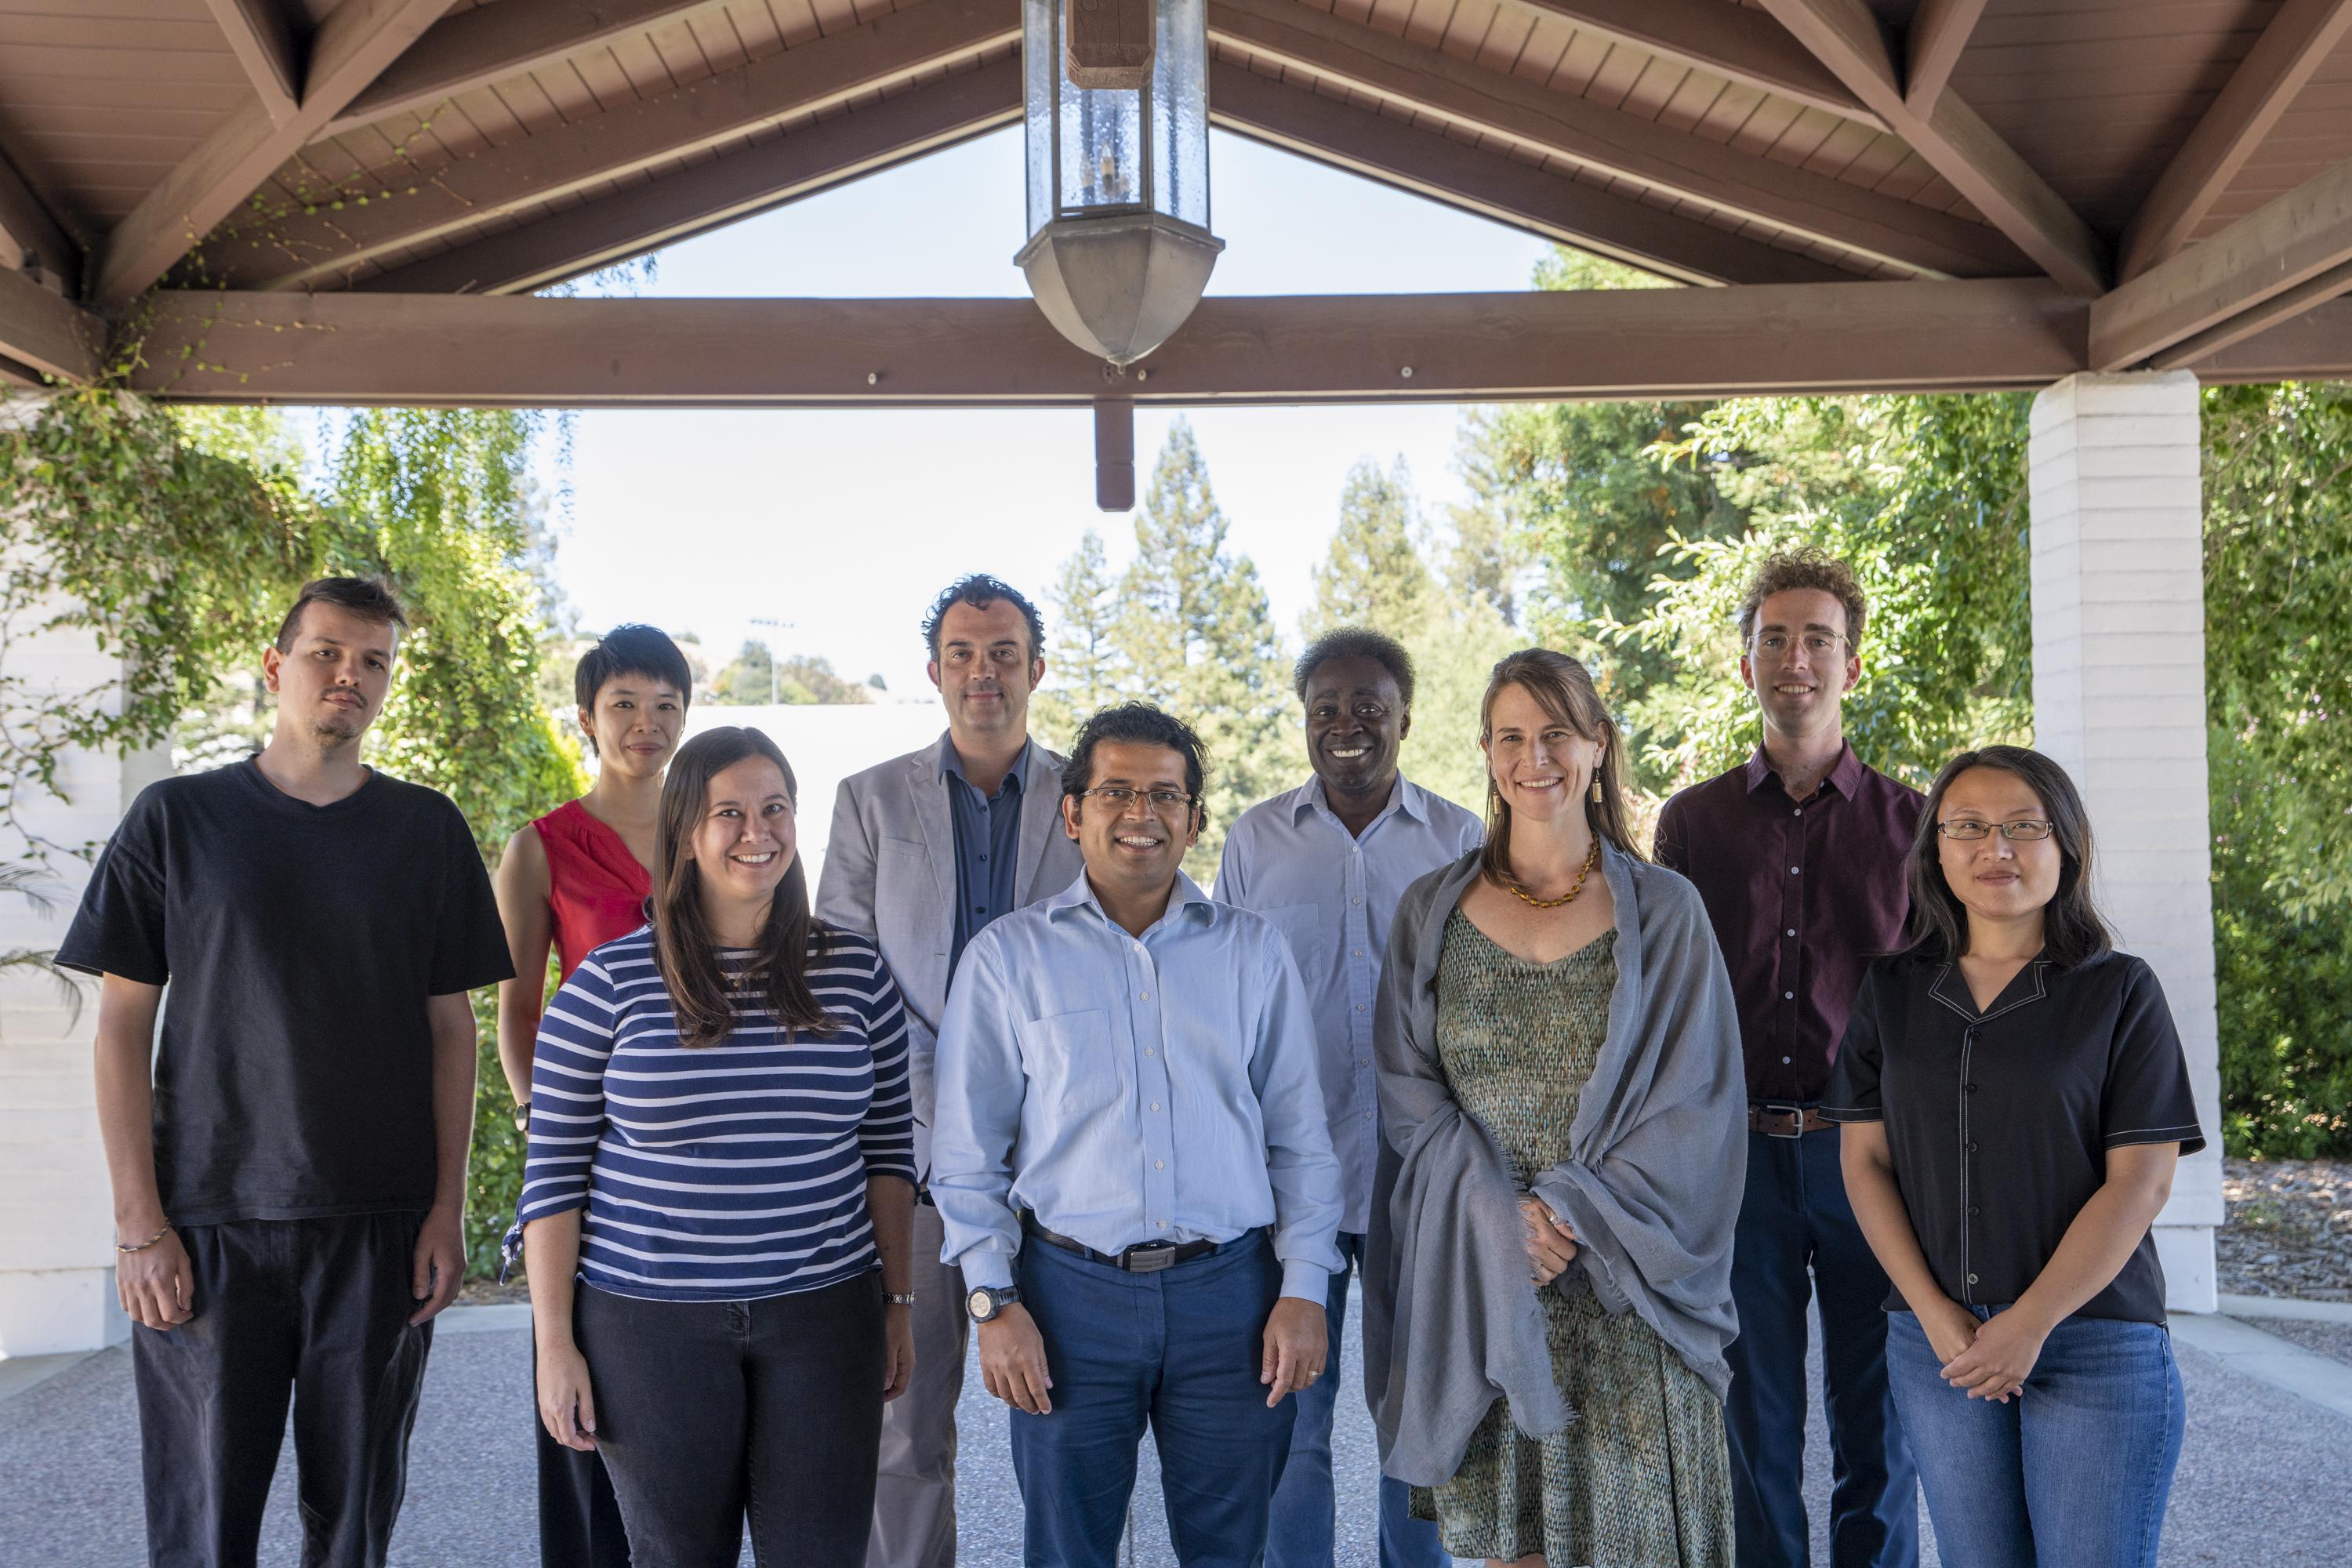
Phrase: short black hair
{"type": "Point", "coordinates": [1356, 642]}
{"type": "Point", "coordinates": [980, 590]}
{"type": "Point", "coordinates": [366, 597]}
{"type": "Point", "coordinates": [1141, 724]}
{"type": "Point", "coordinates": [631, 650]}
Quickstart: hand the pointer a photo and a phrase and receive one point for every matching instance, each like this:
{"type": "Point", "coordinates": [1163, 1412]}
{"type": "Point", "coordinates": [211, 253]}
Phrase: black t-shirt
{"type": "Point", "coordinates": [2000, 1122]}
{"type": "Point", "coordinates": [294, 1077]}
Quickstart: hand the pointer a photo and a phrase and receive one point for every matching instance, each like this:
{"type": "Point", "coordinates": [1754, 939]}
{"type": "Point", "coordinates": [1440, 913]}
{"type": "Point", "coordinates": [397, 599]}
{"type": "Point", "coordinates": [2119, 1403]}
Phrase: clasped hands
{"type": "Point", "coordinates": [1985, 1361]}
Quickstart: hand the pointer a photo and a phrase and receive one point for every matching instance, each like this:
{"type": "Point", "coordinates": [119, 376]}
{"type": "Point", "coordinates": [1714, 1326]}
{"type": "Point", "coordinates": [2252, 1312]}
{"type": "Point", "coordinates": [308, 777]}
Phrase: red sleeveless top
{"type": "Point", "coordinates": [596, 891]}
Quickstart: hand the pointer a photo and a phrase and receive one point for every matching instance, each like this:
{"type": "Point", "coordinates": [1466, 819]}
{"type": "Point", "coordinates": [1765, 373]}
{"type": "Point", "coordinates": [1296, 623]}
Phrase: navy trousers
{"type": "Point", "coordinates": [1797, 1237]}
{"type": "Point", "coordinates": [1178, 1352]}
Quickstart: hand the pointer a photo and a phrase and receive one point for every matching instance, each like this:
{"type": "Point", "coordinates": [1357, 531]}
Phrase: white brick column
{"type": "Point", "coordinates": [2119, 702]}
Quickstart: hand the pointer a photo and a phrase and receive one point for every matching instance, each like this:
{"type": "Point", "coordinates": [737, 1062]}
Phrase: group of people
{"type": "Point", "coordinates": [1589, 1128]}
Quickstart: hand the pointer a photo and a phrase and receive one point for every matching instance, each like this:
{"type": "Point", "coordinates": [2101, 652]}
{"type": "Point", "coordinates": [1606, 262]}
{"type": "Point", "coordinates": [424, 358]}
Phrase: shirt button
{"type": "Point", "coordinates": [1787, 996]}
{"type": "Point", "coordinates": [1972, 1279]}
{"type": "Point", "coordinates": [1972, 1148]}
{"type": "Point", "coordinates": [1357, 901]}
{"type": "Point", "coordinates": [983, 859]}
{"type": "Point", "coordinates": [1147, 1051]}
{"type": "Point", "coordinates": [1155, 1105]}
{"type": "Point", "coordinates": [1801, 811]}
{"type": "Point", "coordinates": [1159, 1164]}
{"type": "Point", "coordinates": [1784, 1062]}
{"type": "Point", "coordinates": [1163, 1224]}
{"type": "Point", "coordinates": [1792, 930]}
{"type": "Point", "coordinates": [1360, 953]}
{"type": "Point", "coordinates": [1974, 1211]}
{"type": "Point", "coordinates": [1793, 871]}
{"type": "Point", "coordinates": [1969, 1087]}
{"type": "Point", "coordinates": [1360, 1006]}
{"type": "Point", "coordinates": [1144, 995]}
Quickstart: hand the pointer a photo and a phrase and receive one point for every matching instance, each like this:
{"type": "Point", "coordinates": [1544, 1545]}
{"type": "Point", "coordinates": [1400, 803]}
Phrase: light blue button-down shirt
{"type": "Point", "coordinates": [1293, 860]}
{"type": "Point", "coordinates": [1128, 1090]}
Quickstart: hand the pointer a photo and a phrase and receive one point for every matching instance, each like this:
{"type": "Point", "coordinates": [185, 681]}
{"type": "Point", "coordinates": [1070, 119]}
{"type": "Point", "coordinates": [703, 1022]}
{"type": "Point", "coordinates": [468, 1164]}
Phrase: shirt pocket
{"type": "Point", "coordinates": [1068, 1061]}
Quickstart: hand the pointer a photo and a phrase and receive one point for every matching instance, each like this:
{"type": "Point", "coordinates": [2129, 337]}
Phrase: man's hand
{"type": "Point", "coordinates": [1999, 1360]}
{"type": "Point", "coordinates": [155, 1284]}
{"type": "Point", "coordinates": [1012, 1361]}
{"type": "Point", "coordinates": [440, 1262]}
{"type": "Point", "coordinates": [567, 1404]}
{"type": "Point", "coordinates": [1297, 1342]}
{"type": "Point", "coordinates": [1551, 1245]}
{"type": "Point", "coordinates": [898, 1350]}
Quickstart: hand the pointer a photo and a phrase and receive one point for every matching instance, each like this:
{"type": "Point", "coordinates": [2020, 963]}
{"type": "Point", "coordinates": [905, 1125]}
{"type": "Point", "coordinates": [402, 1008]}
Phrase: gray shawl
{"type": "Point", "coordinates": [1652, 1185]}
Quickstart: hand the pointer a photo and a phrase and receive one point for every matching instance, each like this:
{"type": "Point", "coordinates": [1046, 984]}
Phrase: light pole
{"type": "Point", "coordinates": [772, 622]}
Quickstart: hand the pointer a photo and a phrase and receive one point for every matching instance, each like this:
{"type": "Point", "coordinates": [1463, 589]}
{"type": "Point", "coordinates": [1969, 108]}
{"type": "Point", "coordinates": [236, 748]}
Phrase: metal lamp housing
{"type": "Point", "coordinates": [1119, 247]}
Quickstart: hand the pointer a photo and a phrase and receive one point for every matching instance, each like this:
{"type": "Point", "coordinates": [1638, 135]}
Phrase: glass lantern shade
{"type": "Point", "coordinates": [1119, 247]}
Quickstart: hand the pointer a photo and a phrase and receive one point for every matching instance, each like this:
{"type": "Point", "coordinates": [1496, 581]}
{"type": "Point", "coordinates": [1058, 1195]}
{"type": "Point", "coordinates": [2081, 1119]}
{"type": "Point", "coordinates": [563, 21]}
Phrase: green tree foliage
{"type": "Point", "coordinates": [1084, 669]}
{"type": "Point", "coordinates": [757, 677]}
{"type": "Point", "coordinates": [1373, 575]}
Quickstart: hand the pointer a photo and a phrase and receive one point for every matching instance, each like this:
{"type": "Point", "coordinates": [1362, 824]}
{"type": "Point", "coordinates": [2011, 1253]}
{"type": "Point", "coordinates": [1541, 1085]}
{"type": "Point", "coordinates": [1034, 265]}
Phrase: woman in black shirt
{"type": "Point", "coordinates": [2015, 1101]}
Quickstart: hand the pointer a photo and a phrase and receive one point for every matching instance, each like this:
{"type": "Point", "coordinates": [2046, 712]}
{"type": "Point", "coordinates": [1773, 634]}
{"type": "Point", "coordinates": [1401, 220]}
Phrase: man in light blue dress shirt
{"type": "Point", "coordinates": [1326, 862]}
{"type": "Point", "coordinates": [1133, 1171]}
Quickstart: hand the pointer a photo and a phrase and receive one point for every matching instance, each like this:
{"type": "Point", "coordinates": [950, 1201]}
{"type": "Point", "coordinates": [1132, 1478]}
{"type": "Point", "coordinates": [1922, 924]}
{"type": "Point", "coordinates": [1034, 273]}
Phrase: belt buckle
{"type": "Point", "coordinates": [1796, 1114]}
{"type": "Point", "coordinates": [1149, 1256]}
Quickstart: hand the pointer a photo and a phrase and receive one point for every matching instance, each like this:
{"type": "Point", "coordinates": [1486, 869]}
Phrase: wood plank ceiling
{"type": "Point", "coordinates": [498, 146]}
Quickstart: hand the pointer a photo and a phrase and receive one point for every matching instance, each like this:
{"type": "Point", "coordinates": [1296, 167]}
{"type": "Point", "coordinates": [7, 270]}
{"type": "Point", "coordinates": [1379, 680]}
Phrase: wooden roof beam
{"type": "Point", "coordinates": [565, 245]}
{"type": "Point", "coordinates": [355, 44]}
{"type": "Point", "coordinates": [1532, 116]}
{"type": "Point", "coordinates": [493, 43]}
{"type": "Point", "coordinates": [263, 42]}
{"type": "Point", "coordinates": [48, 333]}
{"type": "Point", "coordinates": [546, 353]}
{"type": "Point", "coordinates": [314, 248]}
{"type": "Point", "coordinates": [2262, 264]}
{"type": "Point", "coordinates": [1932, 46]}
{"type": "Point", "coordinates": [1398, 153]}
{"type": "Point", "coordinates": [1954, 141]}
{"type": "Point", "coordinates": [2300, 36]}
{"type": "Point", "coordinates": [34, 237]}
{"type": "Point", "coordinates": [1729, 41]}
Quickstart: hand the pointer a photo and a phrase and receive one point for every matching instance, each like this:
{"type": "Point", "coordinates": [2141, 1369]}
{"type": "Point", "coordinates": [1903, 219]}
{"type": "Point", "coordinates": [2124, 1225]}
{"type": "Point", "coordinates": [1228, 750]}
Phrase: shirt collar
{"type": "Point", "coordinates": [1405, 797]}
{"type": "Point", "coordinates": [1185, 899]}
{"type": "Point", "coordinates": [1844, 775]}
{"type": "Point", "coordinates": [952, 764]}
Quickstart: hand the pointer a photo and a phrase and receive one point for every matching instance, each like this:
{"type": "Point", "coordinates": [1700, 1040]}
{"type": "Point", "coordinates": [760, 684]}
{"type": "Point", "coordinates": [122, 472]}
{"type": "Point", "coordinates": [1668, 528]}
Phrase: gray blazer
{"type": "Point", "coordinates": [1657, 1156]}
{"type": "Point", "coordinates": [890, 872]}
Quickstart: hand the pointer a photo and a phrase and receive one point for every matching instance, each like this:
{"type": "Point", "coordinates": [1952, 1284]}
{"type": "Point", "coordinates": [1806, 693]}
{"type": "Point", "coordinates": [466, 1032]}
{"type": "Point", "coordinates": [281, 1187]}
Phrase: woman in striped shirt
{"type": "Point", "coordinates": [721, 1157]}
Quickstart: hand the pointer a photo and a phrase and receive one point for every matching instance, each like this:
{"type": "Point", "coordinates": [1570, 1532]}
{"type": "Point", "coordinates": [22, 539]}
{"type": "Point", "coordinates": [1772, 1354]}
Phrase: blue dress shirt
{"type": "Point", "coordinates": [1294, 861]}
{"type": "Point", "coordinates": [1128, 1090]}
{"type": "Point", "coordinates": [987, 845]}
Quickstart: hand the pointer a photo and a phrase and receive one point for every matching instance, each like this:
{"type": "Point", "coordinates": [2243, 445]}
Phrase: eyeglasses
{"type": "Point", "coordinates": [1970, 831]}
{"type": "Point", "coordinates": [1820, 645]}
{"type": "Point", "coordinates": [1118, 797]}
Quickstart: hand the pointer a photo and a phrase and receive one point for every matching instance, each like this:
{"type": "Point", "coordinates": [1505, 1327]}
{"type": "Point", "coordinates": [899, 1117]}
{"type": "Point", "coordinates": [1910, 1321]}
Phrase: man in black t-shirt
{"type": "Point", "coordinates": [288, 1161]}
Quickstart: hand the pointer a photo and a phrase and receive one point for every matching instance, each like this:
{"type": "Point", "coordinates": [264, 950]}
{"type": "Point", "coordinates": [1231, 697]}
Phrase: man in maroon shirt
{"type": "Point", "coordinates": [1799, 854]}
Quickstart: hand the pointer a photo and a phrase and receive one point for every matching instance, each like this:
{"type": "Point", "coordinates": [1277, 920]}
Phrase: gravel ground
{"type": "Point", "coordinates": [2327, 1339]}
{"type": "Point", "coordinates": [2289, 1230]}
{"type": "Point", "coordinates": [2261, 1482]}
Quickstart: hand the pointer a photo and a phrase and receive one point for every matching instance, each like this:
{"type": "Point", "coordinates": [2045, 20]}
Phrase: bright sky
{"type": "Point", "coordinates": [846, 524]}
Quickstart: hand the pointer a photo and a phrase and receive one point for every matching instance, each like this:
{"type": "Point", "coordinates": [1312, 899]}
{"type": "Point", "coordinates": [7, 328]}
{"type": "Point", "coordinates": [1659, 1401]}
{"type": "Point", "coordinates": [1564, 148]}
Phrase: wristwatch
{"type": "Point", "coordinates": [987, 1301]}
{"type": "Point", "coordinates": [522, 1116]}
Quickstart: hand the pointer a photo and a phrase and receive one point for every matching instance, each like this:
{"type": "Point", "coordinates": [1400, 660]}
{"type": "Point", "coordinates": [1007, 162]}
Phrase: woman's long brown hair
{"type": "Point", "coordinates": [682, 944]}
{"type": "Point", "coordinates": [1563, 688]}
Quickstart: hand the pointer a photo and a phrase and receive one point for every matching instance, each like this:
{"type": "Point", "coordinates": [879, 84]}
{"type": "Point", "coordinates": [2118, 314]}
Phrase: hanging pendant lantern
{"type": "Point", "coordinates": [1116, 117]}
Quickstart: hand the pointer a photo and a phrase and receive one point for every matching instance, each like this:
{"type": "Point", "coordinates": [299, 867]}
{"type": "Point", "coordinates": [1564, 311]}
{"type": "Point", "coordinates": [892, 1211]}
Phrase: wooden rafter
{"type": "Point", "coordinates": [492, 43]}
{"type": "Point", "coordinates": [2265, 263]}
{"type": "Point", "coordinates": [1954, 141]}
{"type": "Point", "coordinates": [1396, 152]}
{"type": "Point", "coordinates": [1932, 46]}
{"type": "Point", "coordinates": [1501, 106]}
{"type": "Point", "coordinates": [263, 42]}
{"type": "Point", "coordinates": [48, 332]}
{"type": "Point", "coordinates": [310, 248]}
{"type": "Point", "coordinates": [2315, 346]}
{"type": "Point", "coordinates": [563, 244]}
{"type": "Point", "coordinates": [352, 48]}
{"type": "Point", "coordinates": [2300, 36]}
{"type": "Point", "coordinates": [1730, 41]}
{"type": "Point", "coordinates": [539, 352]}
{"type": "Point", "coordinates": [32, 233]}
{"type": "Point", "coordinates": [2277, 310]}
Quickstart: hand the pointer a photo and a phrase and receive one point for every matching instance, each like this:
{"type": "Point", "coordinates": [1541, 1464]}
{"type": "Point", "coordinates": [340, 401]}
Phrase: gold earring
{"type": "Point", "coordinates": [1596, 789]}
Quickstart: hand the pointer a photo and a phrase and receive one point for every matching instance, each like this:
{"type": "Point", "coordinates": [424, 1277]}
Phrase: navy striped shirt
{"type": "Point", "coordinates": [728, 1171]}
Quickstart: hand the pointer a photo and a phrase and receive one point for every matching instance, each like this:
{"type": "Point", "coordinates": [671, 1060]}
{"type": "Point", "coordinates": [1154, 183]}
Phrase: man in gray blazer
{"type": "Point", "coordinates": [928, 848]}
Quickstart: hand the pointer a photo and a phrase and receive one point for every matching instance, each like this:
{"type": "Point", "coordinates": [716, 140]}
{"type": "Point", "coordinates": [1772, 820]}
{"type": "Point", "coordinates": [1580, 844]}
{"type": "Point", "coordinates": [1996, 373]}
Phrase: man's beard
{"type": "Point", "coordinates": [331, 737]}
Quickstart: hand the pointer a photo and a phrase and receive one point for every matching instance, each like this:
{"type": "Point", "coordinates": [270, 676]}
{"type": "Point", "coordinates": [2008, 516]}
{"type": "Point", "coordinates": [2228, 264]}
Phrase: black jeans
{"type": "Point", "coordinates": [579, 1519]}
{"type": "Point", "coordinates": [314, 1310]}
{"type": "Point", "coordinates": [707, 1411]}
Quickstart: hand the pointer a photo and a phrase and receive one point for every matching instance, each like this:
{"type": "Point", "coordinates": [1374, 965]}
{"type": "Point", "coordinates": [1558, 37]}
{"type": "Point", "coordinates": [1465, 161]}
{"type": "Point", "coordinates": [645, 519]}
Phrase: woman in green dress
{"type": "Point", "coordinates": [1566, 1008]}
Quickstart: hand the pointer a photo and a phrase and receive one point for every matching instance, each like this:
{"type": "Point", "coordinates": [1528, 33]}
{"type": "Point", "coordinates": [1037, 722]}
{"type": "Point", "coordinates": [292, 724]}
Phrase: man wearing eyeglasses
{"type": "Point", "coordinates": [1799, 854]}
{"type": "Point", "coordinates": [1134, 1173]}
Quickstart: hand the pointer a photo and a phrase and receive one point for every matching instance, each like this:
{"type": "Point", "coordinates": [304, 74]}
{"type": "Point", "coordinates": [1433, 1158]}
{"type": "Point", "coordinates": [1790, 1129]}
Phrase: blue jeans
{"type": "Point", "coordinates": [1797, 1237]}
{"type": "Point", "coordinates": [1178, 1351]}
{"type": "Point", "coordinates": [2072, 1473]}
{"type": "Point", "coordinates": [1305, 1515]}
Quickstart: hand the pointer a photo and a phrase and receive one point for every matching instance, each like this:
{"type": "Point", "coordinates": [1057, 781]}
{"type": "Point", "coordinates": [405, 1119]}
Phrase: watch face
{"type": "Point", "coordinates": [982, 1304]}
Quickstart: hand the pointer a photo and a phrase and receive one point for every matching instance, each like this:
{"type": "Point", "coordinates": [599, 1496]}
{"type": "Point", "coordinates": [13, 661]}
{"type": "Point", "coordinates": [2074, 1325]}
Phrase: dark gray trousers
{"type": "Point", "coordinates": [311, 1311]}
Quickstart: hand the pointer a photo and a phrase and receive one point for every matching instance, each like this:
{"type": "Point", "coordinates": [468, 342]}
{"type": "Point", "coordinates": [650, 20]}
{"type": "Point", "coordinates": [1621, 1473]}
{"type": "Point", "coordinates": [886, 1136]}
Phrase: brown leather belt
{"type": "Point", "coordinates": [1786, 1120]}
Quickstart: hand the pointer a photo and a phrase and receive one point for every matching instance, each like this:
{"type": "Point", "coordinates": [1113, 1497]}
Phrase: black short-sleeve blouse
{"type": "Point", "coordinates": [1999, 1122]}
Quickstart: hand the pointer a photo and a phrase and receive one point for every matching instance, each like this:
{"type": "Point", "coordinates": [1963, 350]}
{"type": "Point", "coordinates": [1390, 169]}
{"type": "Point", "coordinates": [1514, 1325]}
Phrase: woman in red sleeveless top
{"type": "Point", "coordinates": [571, 882]}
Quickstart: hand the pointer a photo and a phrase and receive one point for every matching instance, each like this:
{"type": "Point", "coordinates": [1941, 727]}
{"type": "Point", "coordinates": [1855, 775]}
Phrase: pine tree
{"type": "Point", "coordinates": [1083, 666]}
{"type": "Point", "coordinates": [1374, 576]}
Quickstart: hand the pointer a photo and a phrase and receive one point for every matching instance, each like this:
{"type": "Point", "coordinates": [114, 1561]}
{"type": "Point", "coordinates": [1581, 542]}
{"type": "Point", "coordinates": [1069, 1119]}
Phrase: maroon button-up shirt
{"type": "Point", "coordinates": [1802, 895]}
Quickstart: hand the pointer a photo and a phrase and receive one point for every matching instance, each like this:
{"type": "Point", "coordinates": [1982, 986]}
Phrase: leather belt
{"type": "Point", "coordinates": [1783, 1121]}
{"type": "Point", "coordinates": [1143, 1257]}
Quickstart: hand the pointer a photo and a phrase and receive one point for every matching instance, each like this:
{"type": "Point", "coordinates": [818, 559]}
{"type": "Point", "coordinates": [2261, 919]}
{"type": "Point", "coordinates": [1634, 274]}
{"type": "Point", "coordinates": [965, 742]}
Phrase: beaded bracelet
{"type": "Point", "coordinates": [899, 1298]}
{"type": "Point", "coordinates": [146, 1244]}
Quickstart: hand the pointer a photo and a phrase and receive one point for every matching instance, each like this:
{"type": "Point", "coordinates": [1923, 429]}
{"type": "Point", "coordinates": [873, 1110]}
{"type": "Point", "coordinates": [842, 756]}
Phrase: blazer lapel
{"type": "Point", "coordinates": [1041, 819]}
{"type": "Point", "coordinates": [930, 802]}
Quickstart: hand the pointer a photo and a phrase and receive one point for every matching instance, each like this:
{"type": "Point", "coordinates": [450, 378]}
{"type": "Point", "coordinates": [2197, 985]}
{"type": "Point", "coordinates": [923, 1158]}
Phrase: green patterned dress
{"type": "Point", "coordinates": [1640, 1479]}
